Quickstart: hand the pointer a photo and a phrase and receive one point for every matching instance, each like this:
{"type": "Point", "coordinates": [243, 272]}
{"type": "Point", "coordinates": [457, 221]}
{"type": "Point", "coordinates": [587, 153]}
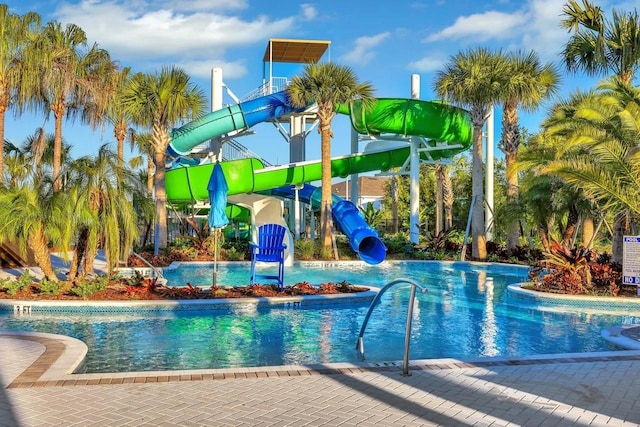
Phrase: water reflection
{"type": "Point", "coordinates": [465, 313]}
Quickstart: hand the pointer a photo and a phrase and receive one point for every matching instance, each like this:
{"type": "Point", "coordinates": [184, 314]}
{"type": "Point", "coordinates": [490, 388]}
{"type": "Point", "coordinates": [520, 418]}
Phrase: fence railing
{"type": "Point", "coordinates": [277, 84]}
{"type": "Point", "coordinates": [233, 150]}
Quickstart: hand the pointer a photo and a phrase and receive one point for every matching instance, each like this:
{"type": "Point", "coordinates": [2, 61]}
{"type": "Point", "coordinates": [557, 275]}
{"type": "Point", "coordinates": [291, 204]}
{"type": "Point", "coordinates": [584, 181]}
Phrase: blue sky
{"type": "Point", "coordinates": [384, 42]}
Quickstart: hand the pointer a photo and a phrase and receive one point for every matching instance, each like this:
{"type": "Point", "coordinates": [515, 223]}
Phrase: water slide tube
{"type": "Point", "coordinates": [363, 239]}
{"type": "Point", "coordinates": [229, 119]}
{"type": "Point", "coordinates": [446, 124]}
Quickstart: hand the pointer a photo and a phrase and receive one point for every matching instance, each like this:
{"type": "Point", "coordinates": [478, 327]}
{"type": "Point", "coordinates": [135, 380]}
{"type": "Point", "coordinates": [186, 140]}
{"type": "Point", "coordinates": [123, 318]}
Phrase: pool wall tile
{"type": "Point", "coordinates": [583, 302]}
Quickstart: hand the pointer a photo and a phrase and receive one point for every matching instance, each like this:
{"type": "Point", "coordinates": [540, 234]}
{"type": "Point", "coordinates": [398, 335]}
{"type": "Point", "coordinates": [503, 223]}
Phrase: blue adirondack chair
{"type": "Point", "coordinates": [270, 248]}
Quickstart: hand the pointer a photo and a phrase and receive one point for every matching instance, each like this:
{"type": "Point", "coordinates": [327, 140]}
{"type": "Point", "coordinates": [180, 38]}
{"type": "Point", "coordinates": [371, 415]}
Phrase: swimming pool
{"type": "Point", "coordinates": [466, 313]}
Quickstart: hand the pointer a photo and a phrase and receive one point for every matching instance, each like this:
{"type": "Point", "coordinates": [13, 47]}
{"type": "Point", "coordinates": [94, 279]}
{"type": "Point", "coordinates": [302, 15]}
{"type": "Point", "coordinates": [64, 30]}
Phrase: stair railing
{"type": "Point", "coordinates": [407, 334]}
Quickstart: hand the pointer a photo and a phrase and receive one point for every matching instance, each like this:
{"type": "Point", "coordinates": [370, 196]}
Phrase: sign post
{"type": "Point", "coordinates": [631, 261]}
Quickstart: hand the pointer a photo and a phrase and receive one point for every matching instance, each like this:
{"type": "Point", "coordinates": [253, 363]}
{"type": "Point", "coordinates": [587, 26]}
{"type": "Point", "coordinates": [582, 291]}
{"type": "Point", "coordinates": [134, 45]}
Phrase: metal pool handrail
{"type": "Point", "coordinates": [407, 333]}
{"type": "Point", "coordinates": [157, 271]}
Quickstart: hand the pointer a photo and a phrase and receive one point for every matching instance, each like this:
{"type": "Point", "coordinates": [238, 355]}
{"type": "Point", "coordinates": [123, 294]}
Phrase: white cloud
{"type": "Point", "coordinates": [543, 33]}
{"type": "Point", "coordinates": [482, 26]}
{"type": "Point", "coordinates": [202, 68]}
{"type": "Point", "coordinates": [535, 26]}
{"type": "Point", "coordinates": [427, 64]}
{"type": "Point", "coordinates": [140, 32]}
{"type": "Point", "coordinates": [309, 11]}
{"type": "Point", "coordinates": [363, 52]}
{"type": "Point", "coordinates": [194, 5]}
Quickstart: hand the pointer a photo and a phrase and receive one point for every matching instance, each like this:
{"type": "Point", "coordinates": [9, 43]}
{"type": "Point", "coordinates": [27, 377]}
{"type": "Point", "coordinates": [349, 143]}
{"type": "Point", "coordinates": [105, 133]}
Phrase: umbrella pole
{"type": "Point", "coordinates": [215, 257]}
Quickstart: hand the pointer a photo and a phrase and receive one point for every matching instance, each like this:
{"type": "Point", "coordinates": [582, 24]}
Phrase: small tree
{"type": "Point", "coordinates": [475, 79]}
{"type": "Point", "coordinates": [159, 102]}
{"type": "Point", "coordinates": [327, 85]}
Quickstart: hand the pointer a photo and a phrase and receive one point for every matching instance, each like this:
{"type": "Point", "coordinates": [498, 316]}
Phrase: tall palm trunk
{"type": "Point", "coordinates": [572, 221]}
{"type": "Point", "coordinates": [120, 133]}
{"type": "Point", "coordinates": [4, 103]}
{"type": "Point", "coordinates": [513, 226]}
{"type": "Point", "coordinates": [543, 229]}
{"type": "Point", "coordinates": [510, 144]}
{"type": "Point", "coordinates": [326, 208]}
{"type": "Point", "coordinates": [587, 231]}
{"type": "Point", "coordinates": [37, 241]}
{"type": "Point", "coordinates": [479, 242]}
{"type": "Point", "coordinates": [58, 113]}
{"type": "Point", "coordinates": [150, 173]}
{"type": "Point", "coordinates": [621, 226]}
{"type": "Point", "coordinates": [90, 253]}
{"type": "Point", "coordinates": [79, 253]}
{"type": "Point", "coordinates": [447, 198]}
{"type": "Point", "coordinates": [161, 201]}
{"type": "Point", "coordinates": [394, 203]}
{"type": "Point", "coordinates": [439, 199]}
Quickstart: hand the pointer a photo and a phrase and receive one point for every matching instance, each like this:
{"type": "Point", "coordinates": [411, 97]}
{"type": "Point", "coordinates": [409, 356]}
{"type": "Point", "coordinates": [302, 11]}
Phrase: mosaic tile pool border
{"type": "Point", "coordinates": [150, 306]}
{"type": "Point", "coordinates": [579, 301]}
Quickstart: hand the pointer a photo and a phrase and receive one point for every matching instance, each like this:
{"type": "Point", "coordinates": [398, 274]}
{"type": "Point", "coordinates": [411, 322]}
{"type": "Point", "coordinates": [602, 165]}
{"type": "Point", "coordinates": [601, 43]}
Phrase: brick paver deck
{"type": "Point", "coordinates": [596, 389]}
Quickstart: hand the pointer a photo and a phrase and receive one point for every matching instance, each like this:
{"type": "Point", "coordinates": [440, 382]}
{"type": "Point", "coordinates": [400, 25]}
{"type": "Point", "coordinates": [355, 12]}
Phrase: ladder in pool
{"type": "Point", "coordinates": [407, 334]}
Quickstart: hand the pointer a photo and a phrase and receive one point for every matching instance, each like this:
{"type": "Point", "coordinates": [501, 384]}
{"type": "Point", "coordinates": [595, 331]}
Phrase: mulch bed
{"type": "Point", "coordinates": [119, 292]}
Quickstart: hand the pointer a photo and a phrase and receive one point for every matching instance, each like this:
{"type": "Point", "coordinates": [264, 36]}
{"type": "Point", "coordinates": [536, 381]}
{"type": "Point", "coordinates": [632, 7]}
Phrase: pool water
{"type": "Point", "coordinates": [467, 312]}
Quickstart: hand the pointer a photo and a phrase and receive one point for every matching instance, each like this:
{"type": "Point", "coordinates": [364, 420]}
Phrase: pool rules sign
{"type": "Point", "coordinates": [631, 261]}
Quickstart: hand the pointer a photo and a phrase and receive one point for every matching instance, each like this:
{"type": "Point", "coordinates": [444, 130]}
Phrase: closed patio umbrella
{"type": "Point", "coordinates": [218, 219]}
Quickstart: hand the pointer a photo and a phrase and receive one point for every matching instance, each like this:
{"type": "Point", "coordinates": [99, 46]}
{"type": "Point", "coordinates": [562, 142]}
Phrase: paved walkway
{"type": "Point", "coordinates": [596, 389]}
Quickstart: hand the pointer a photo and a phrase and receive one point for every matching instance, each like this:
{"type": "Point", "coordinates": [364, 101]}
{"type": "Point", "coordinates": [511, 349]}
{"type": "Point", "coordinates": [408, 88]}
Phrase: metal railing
{"type": "Point", "coordinates": [277, 84]}
{"type": "Point", "coordinates": [233, 150]}
{"type": "Point", "coordinates": [407, 333]}
{"type": "Point", "coordinates": [155, 270]}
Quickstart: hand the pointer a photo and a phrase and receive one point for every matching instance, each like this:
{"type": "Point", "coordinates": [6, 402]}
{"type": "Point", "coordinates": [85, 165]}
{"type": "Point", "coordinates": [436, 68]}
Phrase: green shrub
{"type": "Point", "coordinates": [10, 285]}
{"type": "Point", "coordinates": [240, 248]}
{"type": "Point", "coordinates": [306, 249]}
{"type": "Point", "coordinates": [20, 283]}
{"type": "Point", "coordinates": [86, 288]}
{"type": "Point", "coordinates": [50, 287]}
{"type": "Point", "coordinates": [234, 255]}
{"type": "Point", "coordinates": [396, 243]}
{"type": "Point", "coordinates": [344, 248]}
{"type": "Point", "coordinates": [181, 243]}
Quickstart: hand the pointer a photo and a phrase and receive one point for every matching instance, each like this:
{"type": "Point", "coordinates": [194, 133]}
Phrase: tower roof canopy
{"type": "Point", "coordinates": [295, 51]}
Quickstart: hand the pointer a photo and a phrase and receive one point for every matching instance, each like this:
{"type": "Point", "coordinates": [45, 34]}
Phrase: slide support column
{"type": "Point", "coordinates": [414, 226]}
{"type": "Point", "coordinates": [215, 144]}
{"type": "Point", "coordinates": [297, 139]}
{"type": "Point", "coordinates": [354, 195]}
{"type": "Point", "coordinates": [488, 182]}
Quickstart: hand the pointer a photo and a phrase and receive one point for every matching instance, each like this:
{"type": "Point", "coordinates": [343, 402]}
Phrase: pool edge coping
{"type": "Point", "coordinates": [63, 354]}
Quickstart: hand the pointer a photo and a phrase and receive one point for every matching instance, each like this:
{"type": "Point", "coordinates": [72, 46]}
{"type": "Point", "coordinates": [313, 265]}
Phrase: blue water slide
{"type": "Point", "coordinates": [364, 240]}
{"type": "Point", "coordinates": [228, 119]}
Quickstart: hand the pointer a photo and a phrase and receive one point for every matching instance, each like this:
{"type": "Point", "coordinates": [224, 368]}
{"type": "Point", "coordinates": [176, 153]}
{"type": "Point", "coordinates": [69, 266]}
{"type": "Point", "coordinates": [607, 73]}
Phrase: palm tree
{"type": "Point", "coordinates": [474, 79]}
{"type": "Point", "coordinates": [601, 144]}
{"type": "Point", "coordinates": [17, 165]}
{"type": "Point", "coordinates": [113, 110]}
{"type": "Point", "coordinates": [547, 200]}
{"type": "Point", "coordinates": [159, 102]}
{"type": "Point", "coordinates": [34, 216]}
{"type": "Point", "coordinates": [14, 32]}
{"type": "Point", "coordinates": [144, 143]}
{"type": "Point", "coordinates": [104, 208]}
{"type": "Point", "coordinates": [599, 46]}
{"type": "Point", "coordinates": [528, 84]}
{"type": "Point", "coordinates": [68, 79]}
{"type": "Point", "coordinates": [327, 85]}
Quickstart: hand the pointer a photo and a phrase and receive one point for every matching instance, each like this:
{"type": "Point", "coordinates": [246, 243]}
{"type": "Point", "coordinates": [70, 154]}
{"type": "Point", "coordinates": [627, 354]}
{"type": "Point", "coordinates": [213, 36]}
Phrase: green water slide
{"type": "Point", "coordinates": [448, 131]}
